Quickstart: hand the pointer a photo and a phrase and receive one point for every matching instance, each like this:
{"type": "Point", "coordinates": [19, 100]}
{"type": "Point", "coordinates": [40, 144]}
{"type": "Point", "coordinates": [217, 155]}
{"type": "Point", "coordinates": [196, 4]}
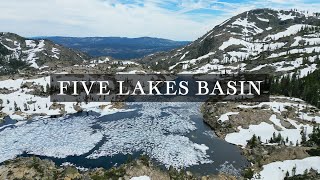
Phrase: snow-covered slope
{"type": "Point", "coordinates": [32, 53]}
{"type": "Point", "coordinates": [261, 40]}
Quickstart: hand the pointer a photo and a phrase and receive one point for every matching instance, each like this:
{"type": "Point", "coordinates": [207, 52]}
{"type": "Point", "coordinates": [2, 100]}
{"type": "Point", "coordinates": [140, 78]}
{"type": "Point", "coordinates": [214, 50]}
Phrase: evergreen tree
{"type": "Point", "coordinates": [307, 88]}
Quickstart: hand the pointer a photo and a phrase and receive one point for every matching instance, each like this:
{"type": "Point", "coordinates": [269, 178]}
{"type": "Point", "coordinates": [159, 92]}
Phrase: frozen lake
{"type": "Point", "coordinates": [170, 133]}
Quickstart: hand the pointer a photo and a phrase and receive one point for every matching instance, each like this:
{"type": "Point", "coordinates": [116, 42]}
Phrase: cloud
{"type": "Point", "coordinates": [173, 19]}
{"type": "Point", "coordinates": [97, 18]}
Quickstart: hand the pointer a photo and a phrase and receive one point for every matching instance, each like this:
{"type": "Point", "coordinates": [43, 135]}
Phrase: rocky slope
{"type": "Point", "coordinates": [17, 52]}
{"type": "Point", "coordinates": [272, 135]}
{"type": "Point", "coordinates": [262, 40]}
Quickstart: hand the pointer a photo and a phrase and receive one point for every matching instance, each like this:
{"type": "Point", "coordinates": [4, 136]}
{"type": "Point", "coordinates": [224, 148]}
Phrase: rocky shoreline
{"type": "Point", "coordinates": [34, 168]}
{"type": "Point", "coordinates": [231, 118]}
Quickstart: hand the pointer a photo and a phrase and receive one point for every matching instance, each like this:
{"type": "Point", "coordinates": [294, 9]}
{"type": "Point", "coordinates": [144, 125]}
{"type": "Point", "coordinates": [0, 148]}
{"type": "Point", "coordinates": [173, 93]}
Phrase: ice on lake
{"type": "Point", "coordinates": [156, 129]}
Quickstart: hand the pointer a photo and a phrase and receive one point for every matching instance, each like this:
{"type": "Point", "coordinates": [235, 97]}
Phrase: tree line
{"type": "Point", "coordinates": [306, 88]}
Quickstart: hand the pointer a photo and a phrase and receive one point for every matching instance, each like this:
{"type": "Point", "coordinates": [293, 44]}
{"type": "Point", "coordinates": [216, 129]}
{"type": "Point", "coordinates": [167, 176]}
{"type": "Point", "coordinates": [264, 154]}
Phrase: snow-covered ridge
{"type": "Point", "coordinates": [258, 38]}
{"type": "Point", "coordinates": [35, 51]}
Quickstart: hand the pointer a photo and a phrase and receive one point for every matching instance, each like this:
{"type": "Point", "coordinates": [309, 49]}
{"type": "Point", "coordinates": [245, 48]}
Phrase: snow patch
{"type": "Point", "coordinates": [224, 117]}
{"type": "Point", "coordinates": [278, 170]}
{"type": "Point", "coordinates": [141, 178]}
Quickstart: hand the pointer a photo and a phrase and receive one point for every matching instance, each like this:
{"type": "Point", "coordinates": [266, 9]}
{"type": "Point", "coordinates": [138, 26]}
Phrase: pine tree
{"type": "Point", "coordinates": [294, 169]}
{"type": "Point", "coordinates": [253, 142]}
{"type": "Point", "coordinates": [303, 136]}
{"type": "Point", "coordinates": [15, 106]}
{"type": "Point", "coordinates": [287, 174]}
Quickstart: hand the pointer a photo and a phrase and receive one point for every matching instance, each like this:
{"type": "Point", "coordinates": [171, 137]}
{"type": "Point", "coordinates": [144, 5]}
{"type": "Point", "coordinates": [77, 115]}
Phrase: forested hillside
{"type": "Point", "coordinates": [307, 88]}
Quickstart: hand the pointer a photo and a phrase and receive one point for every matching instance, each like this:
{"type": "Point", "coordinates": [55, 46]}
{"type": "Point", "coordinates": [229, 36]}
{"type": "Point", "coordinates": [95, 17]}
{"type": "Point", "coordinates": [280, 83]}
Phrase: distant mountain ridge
{"type": "Point", "coordinates": [117, 47]}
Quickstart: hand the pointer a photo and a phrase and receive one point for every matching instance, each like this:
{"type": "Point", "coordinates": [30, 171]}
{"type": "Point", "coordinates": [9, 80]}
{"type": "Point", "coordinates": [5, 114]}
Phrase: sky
{"type": "Point", "coordinates": [171, 19]}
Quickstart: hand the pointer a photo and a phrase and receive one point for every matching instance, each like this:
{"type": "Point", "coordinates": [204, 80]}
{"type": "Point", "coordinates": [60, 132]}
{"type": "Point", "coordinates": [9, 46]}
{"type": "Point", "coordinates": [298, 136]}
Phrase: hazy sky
{"type": "Point", "coordinates": [173, 19]}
